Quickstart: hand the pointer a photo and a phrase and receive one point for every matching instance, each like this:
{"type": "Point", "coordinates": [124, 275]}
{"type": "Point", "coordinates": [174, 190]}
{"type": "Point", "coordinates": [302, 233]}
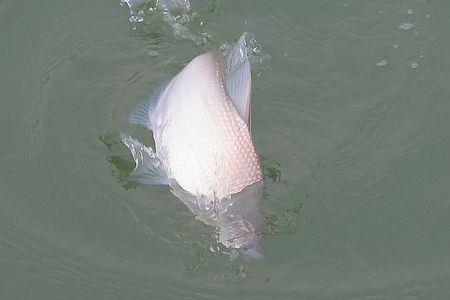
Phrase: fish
{"type": "Point", "coordinates": [200, 120]}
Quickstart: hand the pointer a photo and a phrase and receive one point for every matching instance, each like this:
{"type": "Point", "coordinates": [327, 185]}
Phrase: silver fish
{"type": "Point", "coordinates": [204, 150]}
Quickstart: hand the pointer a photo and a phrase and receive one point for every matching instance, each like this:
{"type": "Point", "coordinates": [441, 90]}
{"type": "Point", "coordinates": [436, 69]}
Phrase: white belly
{"type": "Point", "coordinates": [206, 146]}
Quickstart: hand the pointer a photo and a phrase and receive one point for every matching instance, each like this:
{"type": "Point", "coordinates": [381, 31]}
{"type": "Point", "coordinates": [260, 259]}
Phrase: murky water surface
{"type": "Point", "coordinates": [350, 115]}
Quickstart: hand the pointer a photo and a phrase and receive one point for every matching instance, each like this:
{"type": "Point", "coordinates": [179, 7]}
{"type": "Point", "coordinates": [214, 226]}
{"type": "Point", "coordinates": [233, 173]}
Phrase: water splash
{"type": "Point", "coordinates": [132, 3]}
{"type": "Point", "coordinates": [247, 44]}
{"type": "Point", "coordinates": [414, 66]}
{"type": "Point", "coordinates": [184, 5]}
{"type": "Point", "coordinates": [382, 63]}
{"type": "Point", "coordinates": [406, 26]}
{"type": "Point", "coordinates": [136, 13]}
{"type": "Point", "coordinates": [179, 22]}
{"type": "Point", "coordinates": [176, 13]}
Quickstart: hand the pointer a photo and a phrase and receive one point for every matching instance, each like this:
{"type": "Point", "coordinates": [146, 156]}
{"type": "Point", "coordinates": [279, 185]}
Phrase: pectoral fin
{"type": "Point", "coordinates": [149, 168]}
{"type": "Point", "coordinates": [142, 113]}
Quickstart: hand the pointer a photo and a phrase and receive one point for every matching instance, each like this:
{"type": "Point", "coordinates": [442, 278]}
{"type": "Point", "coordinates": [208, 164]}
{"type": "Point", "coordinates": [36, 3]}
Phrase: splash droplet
{"type": "Point", "coordinates": [123, 2]}
{"type": "Point", "coordinates": [406, 26]}
{"type": "Point", "coordinates": [410, 12]}
{"type": "Point", "coordinates": [382, 63]}
{"type": "Point", "coordinates": [414, 66]}
{"type": "Point", "coordinates": [140, 16]}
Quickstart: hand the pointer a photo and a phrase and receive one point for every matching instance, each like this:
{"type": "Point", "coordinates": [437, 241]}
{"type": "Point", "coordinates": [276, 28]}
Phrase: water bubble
{"type": "Point", "coordinates": [395, 46]}
{"type": "Point", "coordinates": [406, 26]}
{"type": "Point", "coordinates": [427, 16]}
{"type": "Point", "coordinates": [140, 16]}
{"type": "Point", "coordinates": [421, 56]}
{"type": "Point", "coordinates": [256, 50]}
{"type": "Point", "coordinates": [123, 2]}
{"type": "Point", "coordinates": [382, 63]}
{"type": "Point", "coordinates": [410, 12]}
{"type": "Point", "coordinates": [414, 66]}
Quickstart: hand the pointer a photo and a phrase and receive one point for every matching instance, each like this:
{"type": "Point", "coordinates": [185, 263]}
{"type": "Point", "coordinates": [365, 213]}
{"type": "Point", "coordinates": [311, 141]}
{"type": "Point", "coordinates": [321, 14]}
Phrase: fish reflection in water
{"type": "Point", "coordinates": [200, 122]}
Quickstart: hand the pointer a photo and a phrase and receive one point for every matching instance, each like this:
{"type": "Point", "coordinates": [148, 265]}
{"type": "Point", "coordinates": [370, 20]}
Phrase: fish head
{"type": "Point", "coordinates": [241, 223]}
{"type": "Point", "coordinates": [245, 240]}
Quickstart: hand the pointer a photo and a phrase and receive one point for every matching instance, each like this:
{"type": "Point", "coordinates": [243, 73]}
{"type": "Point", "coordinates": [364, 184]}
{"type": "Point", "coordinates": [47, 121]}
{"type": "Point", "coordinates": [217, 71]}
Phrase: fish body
{"type": "Point", "coordinates": [204, 150]}
{"type": "Point", "coordinates": [203, 142]}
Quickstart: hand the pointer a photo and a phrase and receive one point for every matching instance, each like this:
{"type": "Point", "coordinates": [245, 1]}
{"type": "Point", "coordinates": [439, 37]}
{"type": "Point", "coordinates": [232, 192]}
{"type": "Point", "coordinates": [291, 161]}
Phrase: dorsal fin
{"type": "Point", "coordinates": [238, 79]}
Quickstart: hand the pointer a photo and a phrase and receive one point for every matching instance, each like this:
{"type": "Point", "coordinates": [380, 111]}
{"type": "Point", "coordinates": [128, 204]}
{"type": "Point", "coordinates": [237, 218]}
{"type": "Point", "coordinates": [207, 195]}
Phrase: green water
{"type": "Point", "coordinates": [357, 155]}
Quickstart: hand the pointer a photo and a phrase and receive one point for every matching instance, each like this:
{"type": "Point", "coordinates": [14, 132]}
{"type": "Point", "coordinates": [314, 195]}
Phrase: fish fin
{"type": "Point", "coordinates": [238, 79]}
{"type": "Point", "coordinates": [149, 168]}
{"type": "Point", "coordinates": [141, 114]}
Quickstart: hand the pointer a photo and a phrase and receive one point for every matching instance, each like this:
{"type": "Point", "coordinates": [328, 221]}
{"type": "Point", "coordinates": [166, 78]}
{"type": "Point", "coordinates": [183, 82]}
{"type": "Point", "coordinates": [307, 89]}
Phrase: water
{"type": "Point", "coordinates": [356, 155]}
